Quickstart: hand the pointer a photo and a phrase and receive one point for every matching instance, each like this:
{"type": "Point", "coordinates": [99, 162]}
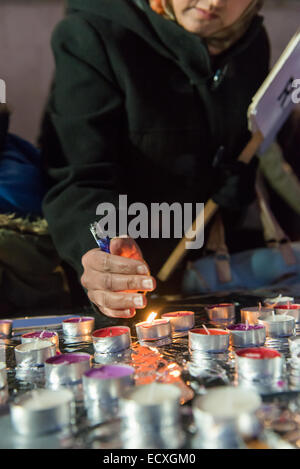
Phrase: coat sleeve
{"type": "Point", "coordinates": [80, 137]}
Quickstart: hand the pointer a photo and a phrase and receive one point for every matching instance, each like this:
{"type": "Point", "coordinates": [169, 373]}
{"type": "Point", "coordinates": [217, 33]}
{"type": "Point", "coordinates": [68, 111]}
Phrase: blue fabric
{"type": "Point", "coordinates": [249, 270]}
{"type": "Point", "coordinates": [21, 182]}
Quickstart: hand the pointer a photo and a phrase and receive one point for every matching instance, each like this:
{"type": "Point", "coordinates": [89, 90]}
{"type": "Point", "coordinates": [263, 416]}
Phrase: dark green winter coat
{"type": "Point", "coordinates": [138, 107]}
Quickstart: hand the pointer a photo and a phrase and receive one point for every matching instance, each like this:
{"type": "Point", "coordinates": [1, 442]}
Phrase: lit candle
{"type": "Point", "coordinates": [5, 327]}
{"type": "Point", "coordinates": [252, 314]}
{"type": "Point", "coordinates": [278, 326]}
{"type": "Point", "coordinates": [75, 327]}
{"type": "Point", "coordinates": [290, 310]}
{"type": "Point", "coordinates": [246, 335]}
{"type": "Point", "coordinates": [66, 368]}
{"type": "Point", "coordinates": [180, 320]}
{"type": "Point", "coordinates": [223, 312]}
{"type": "Point", "coordinates": [42, 411]}
{"type": "Point", "coordinates": [153, 329]}
{"type": "Point", "coordinates": [111, 339]}
{"type": "Point", "coordinates": [34, 354]}
{"type": "Point", "coordinates": [51, 336]}
{"type": "Point", "coordinates": [209, 340]}
{"type": "Point", "coordinates": [102, 388]}
{"type": "Point", "coordinates": [259, 363]}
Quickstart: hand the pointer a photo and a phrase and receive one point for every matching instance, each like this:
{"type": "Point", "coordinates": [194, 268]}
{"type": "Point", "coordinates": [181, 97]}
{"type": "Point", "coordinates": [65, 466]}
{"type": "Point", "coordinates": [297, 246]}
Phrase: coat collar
{"type": "Point", "coordinates": [167, 37]}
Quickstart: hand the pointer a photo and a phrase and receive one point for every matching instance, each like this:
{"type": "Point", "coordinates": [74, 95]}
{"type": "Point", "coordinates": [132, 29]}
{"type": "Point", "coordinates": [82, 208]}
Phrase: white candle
{"type": "Point", "coordinates": [227, 403]}
{"type": "Point", "coordinates": [42, 411]}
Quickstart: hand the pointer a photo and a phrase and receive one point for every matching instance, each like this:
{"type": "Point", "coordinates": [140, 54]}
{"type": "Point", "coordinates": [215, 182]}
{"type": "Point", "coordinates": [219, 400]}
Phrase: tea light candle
{"type": "Point", "coordinates": [224, 312]}
{"type": "Point", "coordinates": [278, 326]}
{"type": "Point", "coordinates": [209, 340]}
{"type": "Point", "coordinates": [34, 354]}
{"type": "Point", "coordinates": [75, 327]}
{"type": "Point", "coordinates": [245, 335]}
{"type": "Point", "coordinates": [102, 388]}
{"type": "Point", "coordinates": [153, 329]}
{"type": "Point", "coordinates": [51, 336]}
{"type": "Point", "coordinates": [278, 300]}
{"type": "Point", "coordinates": [290, 310]}
{"type": "Point", "coordinates": [66, 368]}
{"type": "Point", "coordinates": [150, 412]}
{"type": "Point", "coordinates": [259, 363]}
{"type": "Point", "coordinates": [225, 412]}
{"type": "Point", "coordinates": [251, 314]}
{"type": "Point", "coordinates": [5, 327]}
{"type": "Point", "coordinates": [294, 344]}
{"type": "Point", "coordinates": [3, 376]}
{"type": "Point", "coordinates": [111, 339]}
{"type": "Point", "coordinates": [180, 320]}
{"type": "Point", "coordinates": [42, 411]}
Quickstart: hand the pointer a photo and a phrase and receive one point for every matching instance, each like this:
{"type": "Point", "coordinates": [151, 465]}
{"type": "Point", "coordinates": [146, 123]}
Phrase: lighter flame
{"type": "Point", "coordinates": [151, 317]}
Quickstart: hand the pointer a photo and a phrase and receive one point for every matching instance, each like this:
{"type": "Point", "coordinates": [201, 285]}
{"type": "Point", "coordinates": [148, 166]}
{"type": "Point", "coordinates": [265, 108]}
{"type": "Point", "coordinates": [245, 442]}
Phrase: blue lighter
{"type": "Point", "coordinates": [100, 238]}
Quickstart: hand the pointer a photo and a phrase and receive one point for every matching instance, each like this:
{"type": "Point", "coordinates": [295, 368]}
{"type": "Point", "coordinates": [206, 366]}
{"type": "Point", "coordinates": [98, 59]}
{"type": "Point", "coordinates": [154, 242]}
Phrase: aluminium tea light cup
{"type": "Point", "coordinates": [253, 313]}
{"type": "Point", "coordinates": [289, 310]}
{"type": "Point", "coordinates": [34, 354]}
{"type": "Point", "coordinates": [50, 336]}
{"type": "Point", "coordinates": [259, 364]}
{"type": "Point", "coordinates": [278, 325]}
{"type": "Point", "coordinates": [278, 300]}
{"type": "Point", "coordinates": [111, 339]}
{"type": "Point", "coordinates": [5, 327]}
{"type": "Point", "coordinates": [209, 340]}
{"type": "Point", "coordinates": [223, 312]}
{"type": "Point", "coordinates": [245, 335]}
{"type": "Point", "coordinates": [180, 320]}
{"type": "Point", "coordinates": [3, 376]}
{"type": "Point", "coordinates": [76, 327]}
{"type": "Point", "coordinates": [102, 388]}
{"type": "Point", "coordinates": [294, 344]}
{"type": "Point", "coordinates": [225, 413]}
{"type": "Point", "coordinates": [42, 411]}
{"type": "Point", "coordinates": [153, 330]}
{"type": "Point", "coordinates": [66, 369]}
{"type": "Point", "coordinates": [149, 413]}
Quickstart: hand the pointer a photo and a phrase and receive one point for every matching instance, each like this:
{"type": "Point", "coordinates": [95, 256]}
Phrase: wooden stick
{"type": "Point", "coordinates": [209, 210]}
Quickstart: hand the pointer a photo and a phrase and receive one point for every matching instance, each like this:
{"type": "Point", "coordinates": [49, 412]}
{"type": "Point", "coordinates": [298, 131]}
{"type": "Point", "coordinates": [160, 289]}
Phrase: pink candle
{"type": "Point", "coordinates": [111, 339]}
{"type": "Point", "coordinates": [209, 340]}
{"type": "Point", "coordinates": [181, 320]}
{"type": "Point", "coordinates": [153, 330]}
{"type": "Point", "coordinates": [261, 353]}
{"type": "Point", "coordinates": [290, 310]}
{"type": "Point", "coordinates": [75, 327]}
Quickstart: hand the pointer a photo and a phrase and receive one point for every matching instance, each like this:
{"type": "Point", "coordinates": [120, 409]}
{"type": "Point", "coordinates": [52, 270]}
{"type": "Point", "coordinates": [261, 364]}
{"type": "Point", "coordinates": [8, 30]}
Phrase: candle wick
{"type": "Point", "coordinates": [247, 325]}
{"type": "Point", "coordinates": [259, 306]}
{"type": "Point", "coordinates": [206, 330]}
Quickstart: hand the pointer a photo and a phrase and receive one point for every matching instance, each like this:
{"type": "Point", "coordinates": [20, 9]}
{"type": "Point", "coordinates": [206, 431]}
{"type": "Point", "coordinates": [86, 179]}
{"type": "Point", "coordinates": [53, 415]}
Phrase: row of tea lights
{"type": "Point", "coordinates": [48, 409]}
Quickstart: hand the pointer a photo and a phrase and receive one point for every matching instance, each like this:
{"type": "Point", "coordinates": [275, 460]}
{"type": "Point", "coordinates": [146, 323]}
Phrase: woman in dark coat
{"type": "Point", "coordinates": [144, 95]}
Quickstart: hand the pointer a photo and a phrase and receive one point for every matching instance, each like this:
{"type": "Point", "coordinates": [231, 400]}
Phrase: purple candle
{"type": "Point", "coordinates": [43, 335]}
{"type": "Point", "coordinates": [75, 327]}
{"type": "Point", "coordinates": [246, 335]}
{"type": "Point", "coordinates": [110, 372]}
{"type": "Point", "coordinates": [244, 327]}
{"type": "Point", "coordinates": [66, 368]}
{"type": "Point", "coordinates": [104, 385]}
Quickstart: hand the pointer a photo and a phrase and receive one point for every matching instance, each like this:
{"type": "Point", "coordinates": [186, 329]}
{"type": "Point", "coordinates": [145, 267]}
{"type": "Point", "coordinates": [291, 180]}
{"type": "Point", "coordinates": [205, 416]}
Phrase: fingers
{"type": "Point", "coordinates": [116, 282]}
{"type": "Point", "coordinates": [117, 301]}
{"type": "Point", "coordinates": [100, 261]}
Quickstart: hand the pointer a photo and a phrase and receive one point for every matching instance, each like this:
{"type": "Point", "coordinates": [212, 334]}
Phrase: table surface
{"type": "Point", "coordinates": [280, 412]}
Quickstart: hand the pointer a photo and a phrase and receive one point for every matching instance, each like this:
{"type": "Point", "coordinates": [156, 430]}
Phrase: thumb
{"type": "Point", "coordinates": [126, 247]}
